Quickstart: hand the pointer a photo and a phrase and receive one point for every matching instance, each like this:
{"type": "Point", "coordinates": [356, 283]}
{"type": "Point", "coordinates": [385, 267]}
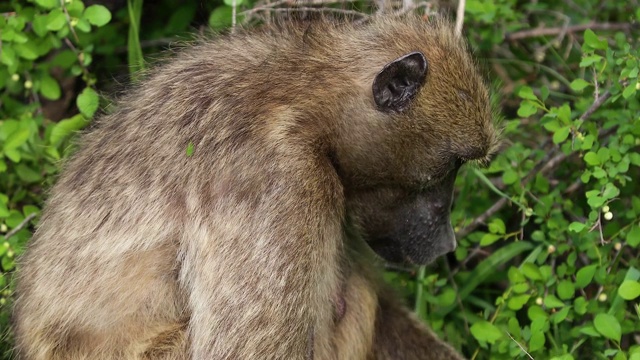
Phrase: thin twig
{"type": "Point", "coordinates": [460, 17]}
{"type": "Point", "coordinates": [77, 52]}
{"type": "Point", "coordinates": [20, 226]}
{"type": "Point", "coordinates": [234, 9]}
{"type": "Point", "coordinates": [319, 10]}
{"type": "Point", "coordinates": [519, 35]}
{"type": "Point", "coordinates": [292, 4]}
{"type": "Point", "coordinates": [596, 104]}
{"type": "Point", "coordinates": [482, 218]}
{"type": "Point", "coordinates": [520, 346]}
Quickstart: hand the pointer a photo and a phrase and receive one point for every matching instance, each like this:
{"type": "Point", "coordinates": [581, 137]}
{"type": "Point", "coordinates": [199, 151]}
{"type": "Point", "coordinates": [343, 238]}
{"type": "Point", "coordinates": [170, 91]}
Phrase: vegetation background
{"type": "Point", "coordinates": [547, 265]}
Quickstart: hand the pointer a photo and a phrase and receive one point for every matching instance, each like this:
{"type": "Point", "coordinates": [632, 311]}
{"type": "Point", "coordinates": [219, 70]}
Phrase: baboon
{"type": "Point", "coordinates": [232, 205]}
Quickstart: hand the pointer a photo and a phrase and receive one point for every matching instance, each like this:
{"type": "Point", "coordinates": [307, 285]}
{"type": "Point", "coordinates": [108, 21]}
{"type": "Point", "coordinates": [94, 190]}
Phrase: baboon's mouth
{"type": "Point", "coordinates": [387, 248]}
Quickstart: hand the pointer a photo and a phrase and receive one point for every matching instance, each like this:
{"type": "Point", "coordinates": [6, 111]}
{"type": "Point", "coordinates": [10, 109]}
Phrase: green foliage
{"type": "Point", "coordinates": [547, 264]}
{"type": "Point", "coordinates": [570, 175]}
{"type": "Point", "coordinates": [44, 43]}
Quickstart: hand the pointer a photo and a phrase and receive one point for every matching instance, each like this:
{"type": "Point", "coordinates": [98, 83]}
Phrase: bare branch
{"type": "Point", "coordinates": [596, 105]}
{"type": "Point", "coordinates": [20, 226]}
{"type": "Point", "coordinates": [520, 346]}
{"type": "Point", "coordinates": [519, 35]}
{"type": "Point", "coordinates": [291, 4]}
{"type": "Point", "coordinates": [460, 16]}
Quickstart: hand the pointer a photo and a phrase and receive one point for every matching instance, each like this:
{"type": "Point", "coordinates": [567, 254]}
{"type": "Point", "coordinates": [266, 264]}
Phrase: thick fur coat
{"type": "Point", "coordinates": [250, 247]}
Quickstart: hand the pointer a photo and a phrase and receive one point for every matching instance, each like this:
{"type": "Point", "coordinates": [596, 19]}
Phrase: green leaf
{"type": "Point", "coordinates": [580, 305]}
{"type": "Point", "coordinates": [517, 302]}
{"type": "Point", "coordinates": [596, 201]}
{"type": "Point", "coordinates": [587, 142]}
{"type": "Point", "coordinates": [4, 211]}
{"type": "Point", "coordinates": [181, 18]}
{"type": "Point", "coordinates": [560, 315]}
{"type": "Point", "coordinates": [27, 51]}
{"type": "Point", "coordinates": [49, 88]}
{"type": "Point", "coordinates": [486, 332]}
{"type": "Point", "coordinates": [488, 239]}
{"type": "Point", "coordinates": [561, 135]}
{"type": "Point", "coordinates": [531, 271]}
{"type": "Point", "coordinates": [527, 109]}
{"type": "Point", "coordinates": [487, 268]}
{"type": "Point", "coordinates": [577, 227]}
{"type": "Point", "coordinates": [629, 91]}
{"type": "Point", "coordinates": [563, 357]}
{"type": "Point", "coordinates": [579, 84]}
{"type": "Point", "coordinates": [603, 155]}
{"type": "Point", "coordinates": [618, 302]}
{"type": "Point", "coordinates": [88, 102]}
{"type": "Point", "coordinates": [585, 275]}
{"type": "Point", "coordinates": [536, 342]}
{"type": "Point", "coordinates": [565, 289]}
{"type": "Point", "coordinates": [75, 8]}
{"type": "Point", "coordinates": [56, 20]}
{"type": "Point", "coordinates": [447, 297]}
{"type": "Point", "coordinates": [526, 92]}
{"type": "Point", "coordinates": [629, 289]}
{"type": "Point", "coordinates": [590, 330]}
{"type": "Point", "coordinates": [515, 275]}
{"type": "Point", "coordinates": [509, 176]}
{"type": "Point", "coordinates": [40, 25]}
{"type": "Point", "coordinates": [48, 4]}
{"type": "Point", "coordinates": [633, 236]}
{"type": "Point", "coordinates": [552, 125]}
{"type": "Point", "coordinates": [16, 139]}
{"type": "Point", "coordinates": [610, 191]}
{"type": "Point", "coordinates": [83, 25]}
{"type": "Point", "coordinates": [27, 174]}
{"type": "Point", "coordinates": [220, 18]}
{"type": "Point", "coordinates": [608, 326]}
{"type": "Point", "coordinates": [30, 209]}
{"type": "Point", "coordinates": [544, 93]}
{"type": "Point", "coordinates": [591, 158]}
{"type": "Point", "coordinates": [7, 263]}
{"type": "Point", "coordinates": [591, 39]}
{"type": "Point", "coordinates": [598, 172]}
{"type": "Point", "coordinates": [189, 149]}
{"type": "Point", "coordinates": [496, 226]}
{"type": "Point", "coordinates": [66, 127]}
{"type": "Point", "coordinates": [590, 60]}
{"type": "Point", "coordinates": [14, 219]}
{"type": "Point", "coordinates": [564, 114]}
{"type": "Point", "coordinates": [97, 15]}
{"type": "Point", "coordinates": [8, 57]}
{"type": "Point", "coordinates": [13, 155]}
{"type": "Point", "coordinates": [551, 301]}
{"type": "Point", "coordinates": [230, 2]}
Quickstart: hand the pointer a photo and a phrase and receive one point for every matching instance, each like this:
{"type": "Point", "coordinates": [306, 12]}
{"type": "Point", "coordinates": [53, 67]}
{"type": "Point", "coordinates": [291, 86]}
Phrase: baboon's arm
{"type": "Point", "coordinates": [261, 286]}
{"type": "Point", "coordinates": [401, 336]}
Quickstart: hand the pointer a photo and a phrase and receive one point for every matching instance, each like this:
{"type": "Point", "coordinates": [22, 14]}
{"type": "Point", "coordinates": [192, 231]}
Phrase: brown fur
{"type": "Point", "coordinates": [249, 248]}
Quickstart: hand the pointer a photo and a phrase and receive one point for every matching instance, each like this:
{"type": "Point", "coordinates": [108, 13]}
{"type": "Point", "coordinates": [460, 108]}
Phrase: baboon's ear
{"type": "Point", "coordinates": [399, 81]}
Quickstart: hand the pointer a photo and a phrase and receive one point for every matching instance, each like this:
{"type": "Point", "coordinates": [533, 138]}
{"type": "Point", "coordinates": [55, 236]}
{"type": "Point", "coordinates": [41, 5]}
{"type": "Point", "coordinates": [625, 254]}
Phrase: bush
{"type": "Point", "coordinates": [547, 265]}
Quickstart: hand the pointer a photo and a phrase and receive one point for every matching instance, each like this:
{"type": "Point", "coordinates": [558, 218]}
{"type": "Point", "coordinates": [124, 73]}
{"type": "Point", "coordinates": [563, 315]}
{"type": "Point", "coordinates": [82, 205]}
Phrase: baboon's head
{"type": "Point", "coordinates": [429, 113]}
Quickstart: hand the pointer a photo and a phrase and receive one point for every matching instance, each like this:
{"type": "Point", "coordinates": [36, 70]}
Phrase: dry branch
{"type": "Point", "coordinates": [542, 31]}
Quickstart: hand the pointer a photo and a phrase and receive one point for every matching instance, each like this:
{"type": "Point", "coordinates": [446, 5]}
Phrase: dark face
{"type": "Point", "coordinates": [400, 194]}
{"type": "Point", "coordinates": [407, 226]}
